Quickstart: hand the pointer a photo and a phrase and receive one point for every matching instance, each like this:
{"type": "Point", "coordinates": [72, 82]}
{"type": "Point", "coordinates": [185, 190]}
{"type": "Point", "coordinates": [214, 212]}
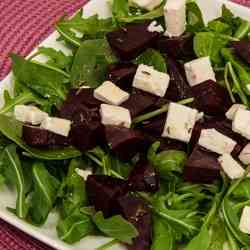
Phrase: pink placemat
{"type": "Point", "coordinates": [23, 25]}
{"type": "Point", "coordinates": [243, 2]}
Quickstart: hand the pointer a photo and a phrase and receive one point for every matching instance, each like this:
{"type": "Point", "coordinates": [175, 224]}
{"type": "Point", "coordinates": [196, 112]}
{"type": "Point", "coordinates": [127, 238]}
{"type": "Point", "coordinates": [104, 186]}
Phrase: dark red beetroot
{"type": "Point", "coordinates": [38, 137]}
{"type": "Point", "coordinates": [75, 99]}
{"type": "Point", "coordinates": [143, 178]}
{"type": "Point", "coordinates": [131, 40]}
{"type": "Point", "coordinates": [103, 191]}
{"type": "Point", "coordinates": [202, 166]}
{"type": "Point", "coordinates": [86, 129]}
{"type": "Point", "coordinates": [222, 125]}
{"type": "Point", "coordinates": [242, 49]}
{"type": "Point", "coordinates": [125, 142]}
{"type": "Point", "coordinates": [178, 87]}
{"type": "Point", "coordinates": [177, 47]}
{"type": "Point", "coordinates": [122, 74]}
{"type": "Point", "coordinates": [138, 102]}
{"type": "Point", "coordinates": [137, 212]}
{"type": "Point", "coordinates": [155, 126]}
{"type": "Point", "coordinates": [211, 98]}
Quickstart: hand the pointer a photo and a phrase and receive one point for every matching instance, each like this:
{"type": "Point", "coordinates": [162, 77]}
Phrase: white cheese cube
{"type": "Point", "coordinates": [199, 70]}
{"type": "Point", "coordinates": [29, 114]}
{"type": "Point", "coordinates": [175, 17]}
{"type": "Point", "coordinates": [245, 155]}
{"type": "Point", "coordinates": [154, 27]}
{"type": "Point", "coordinates": [109, 93]}
{"type": "Point", "coordinates": [147, 4]}
{"type": "Point", "coordinates": [231, 167]}
{"type": "Point", "coordinates": [114, 115]}
{"type": "Point", "coordinates": [57, 125]}
{"type": "Point", "coordinates": [150, 80]}
{"type": "Point", "coordinates": [230, 114]}
{"type": "Point", "coordinates": [216, 142]}
{"type": "Point", "coordinates": [83, 173]}
{"type": "Point", "coordinates": [241, 123]}
{"type": "Point", "coordinates": [180, 122]}
{"type": "Point", "coordinates": [245, 220]}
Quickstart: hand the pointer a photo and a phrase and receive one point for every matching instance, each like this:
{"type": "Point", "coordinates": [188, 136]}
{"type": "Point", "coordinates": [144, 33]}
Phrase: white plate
{"type": "Point", "coordinates": [47, 233]}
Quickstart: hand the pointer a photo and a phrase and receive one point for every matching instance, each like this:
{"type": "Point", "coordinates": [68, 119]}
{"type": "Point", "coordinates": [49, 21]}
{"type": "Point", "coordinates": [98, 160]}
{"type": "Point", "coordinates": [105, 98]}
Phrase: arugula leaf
{"type": "Point", "coordinates": [13, 173]}
{"type": "Point", "coordinates": [166, 161]}
{"type": "Point", "coordinates": [56, 58]}
{"type": "Point", "coordinates": [122, 13]}
{"type": "Point", "coordinates": [243, 71]}
{"type": "Point", "coordinates": [195, 21]}
{"type": "Point", "coordinates": [153, 58]}
{"type": "Point", "coordinates": [243, 30]}
{"type": "Point", "coordinates": [115, 227]}
{"type": "Point", "coordinates": [73, 190]}
{"type": "Point", "coordinates": [74, 227]}
{"type": "Point", "coordinates": [219, 27]}
{"type": "Point", "coordinates": [87, 26]}
{"type": "Point", "coordinates": [163, 238]}
{"type": "Point", "coordinates": [44, 81]}
{"type": "Point", "coordinates": [12, 129]}
{"type": "Point", "coordinates": [201, 241]}
{"type": "Point", "coordinates": [91, 62]}
{"type": "Point", "coordinates": [23, 98]}
{"type": "Point", "coordinates": [44, 195]}
{"type": "Point", "coordinates": [209, 44]}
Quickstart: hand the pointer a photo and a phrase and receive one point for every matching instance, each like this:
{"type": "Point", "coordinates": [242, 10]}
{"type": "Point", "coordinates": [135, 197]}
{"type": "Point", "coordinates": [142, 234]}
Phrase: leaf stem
{"type": "Point", "coordinates": [108, 245]}
{"type": "Point", "coordinates": [242, 30]}
{"type": "Point", "coordinates": [228, 84]}
{"type": "Point", "coordinates": [157, 112]}
{"type": "Point", "coordinates": [67, 37]}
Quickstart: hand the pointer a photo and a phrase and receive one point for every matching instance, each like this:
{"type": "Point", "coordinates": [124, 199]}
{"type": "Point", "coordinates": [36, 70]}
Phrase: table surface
{"type": "Point", "coordinates": [23, 25]}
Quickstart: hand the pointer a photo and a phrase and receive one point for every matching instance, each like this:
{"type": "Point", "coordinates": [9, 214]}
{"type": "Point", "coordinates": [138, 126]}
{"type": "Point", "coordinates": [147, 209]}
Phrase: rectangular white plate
{"type": "Point", "coordinates": [47, 233]}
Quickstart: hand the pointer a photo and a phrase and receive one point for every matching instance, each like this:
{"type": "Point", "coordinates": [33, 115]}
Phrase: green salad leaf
{"type": "Point", "coordinates": [13, 173]}
{"type": "Point", "coordinates": [152, 57]}
{"type": "Point", "coordinates": [12, 129]}
{"type": "Point", "coordinates": [91, 62]}
{"type": "Point", "coordinates": [46, 82]}
{"type": "Point", "coordinates": [115, 227]}
{"type": "Point", "coordinates": [163, 235]}
{"type": "Point", "coordinates": [74, 227]}
{"type": "Point", "coordinates": [242, 191]}
{"type": "Point", "coordinates": [45, 193]}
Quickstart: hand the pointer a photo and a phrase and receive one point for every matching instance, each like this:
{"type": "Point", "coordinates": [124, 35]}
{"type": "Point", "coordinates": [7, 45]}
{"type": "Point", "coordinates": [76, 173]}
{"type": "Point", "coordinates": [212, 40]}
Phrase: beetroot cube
{"type": "Point", "coordinates": [138, 102]}
{"type": "Point", "coordinates": [155, 126]}
{"type": "Point", "coordinates": [177, 47]}
{"type": "Point", "coordinates": [122, 74]}
{"type": "Point", "coordinates": [211, 98]}
{"type": "Point", "coordinates": [131, 40]}
{"type": "Point", "coordinates": [125, 142]}
{"type": "Point", "coordinates": [202, 166]}
{"type": "Point", "coordinates": [144, 178]}
{"type": "Point", "coordinates": [137, 212]}
{"type": "Point", "coordinates": [103, 191]}
{"type": "Point", "coordinates": [242, 49]}
{"type": "Point", "coordinates": [178, 87]}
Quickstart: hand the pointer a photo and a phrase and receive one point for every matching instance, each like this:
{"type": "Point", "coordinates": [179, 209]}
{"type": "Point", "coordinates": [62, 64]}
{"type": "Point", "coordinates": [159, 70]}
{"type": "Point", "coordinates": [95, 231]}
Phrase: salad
{"type": "Point", "coordinates": [141, 134]}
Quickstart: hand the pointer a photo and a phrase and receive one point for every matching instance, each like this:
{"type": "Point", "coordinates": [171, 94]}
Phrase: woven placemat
{"type": "Point", "coordinates": [23, 25]}
{"type": "Point", "coordinates": [243, 2]}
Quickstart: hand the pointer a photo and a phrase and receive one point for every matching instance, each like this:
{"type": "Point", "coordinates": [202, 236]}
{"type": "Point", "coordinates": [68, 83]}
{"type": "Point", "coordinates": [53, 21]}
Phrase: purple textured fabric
{"type": "Point", "coordinates": [25, 23]}
{"type": "Point", "coordinates": [243, 2]}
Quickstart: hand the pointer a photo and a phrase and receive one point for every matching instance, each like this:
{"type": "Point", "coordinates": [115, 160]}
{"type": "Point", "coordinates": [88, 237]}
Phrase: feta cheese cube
{"type": "Point", "coordinates": [147, 4]}
{"type": "Point", "coordinates": [109, 93]}
{"type": "Point", "coordinates": [180, 122]}
{"type": "Point", "coordinates": [245, 220]}
{"type": "Point", "coordinates": [150, 80]}
{"type": "Point", "coordinates": [245, 155]}
{"type": "Point", "coordinates": [216, 142]}
{"type": "Point", "coordinates": [29, 114]}
{"type": "Point", "coordinates": [154, 27]}
{"type": "Point", "coordinates": [175, 17]}
{"type": "Point", "coordinates": [230, 114]}
{"type": "Point", "coordinates": [231, 167]}
{"type": "Point", "coordinates": [241, 123]}
{"type": "Point", "coordinates": [83, 173]}
{"type": "Point", "coordinates": [114, 115]}
{"type": "Point", "coordinates": [57, 125]}
{"type": "Point", "coordinates": [199, 70]}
